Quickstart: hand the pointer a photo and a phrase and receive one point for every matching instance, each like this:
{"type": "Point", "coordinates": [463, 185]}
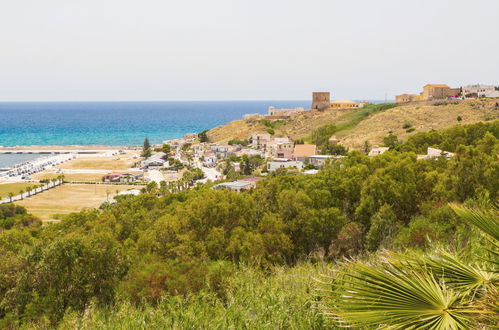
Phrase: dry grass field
{"type": "Point", "coordinates": [70, 198]}
{"type": "Point", "coordinates": [422, 117]}
{"type": "Point", "coordinates": [110, 163]}
{"type": "Point", "coordinates": [14, 188]}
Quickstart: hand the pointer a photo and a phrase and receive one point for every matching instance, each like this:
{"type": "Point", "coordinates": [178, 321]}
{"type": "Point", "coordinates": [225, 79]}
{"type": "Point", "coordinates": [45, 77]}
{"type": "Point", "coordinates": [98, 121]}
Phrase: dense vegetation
{"type": "Point", "coordinates": [218, 259]}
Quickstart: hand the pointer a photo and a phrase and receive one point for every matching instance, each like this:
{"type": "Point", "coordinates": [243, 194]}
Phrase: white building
{"type": "Point", "coordinates": [478, 89]}
{"type": "Point", "coordinates": [377, 151]}
{"type": "Point", "coordinates": [434, 153]}
{"type": "Point", "coordinates": [260, 140]}
{"type": "Point", "coordinates": [272, 111]}
{"type": "Point", "coordinates": [284, 163]}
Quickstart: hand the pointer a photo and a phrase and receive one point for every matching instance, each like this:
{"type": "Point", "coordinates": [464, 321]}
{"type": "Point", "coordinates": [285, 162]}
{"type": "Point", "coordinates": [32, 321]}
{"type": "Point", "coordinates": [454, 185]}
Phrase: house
{"type": "Point", "coordinates": [320, 160]}
{"type": "Point", "coordinates": [435, 153]}
{"type": "Point", "coordinates": [155, 160]}
{"type": "Point", "coordinates": [375, 151]}
{"type": "Point", "coordinates": [281, 148]}
{"type": "Point", "coordinates": [284, 163]}
{"type": "Point", "coordinates": [190, 137]}
{"type": "Point", "coordinates": [405, 98]}
{"type": "Point", "coordinates": [430, 92]}
{"type": "Point", "coordinates": [478, 90]}
{"type": "Point", "coordinates": [210, 161]}
{"type": "Point", "coordinates": [121, 177]}
{"type": "Point", "coordinates": [492, 94]}
{"type": "Point", "coordinates": [234, 186]}
{"type": "Point", "coordinates": [260, 140]}
{"type": "Point", "coordinates": [251, 180]}
{"type": "Point", "coordinates": [303, 151]}
{"type": "Point", "coordinates": [345, 104]}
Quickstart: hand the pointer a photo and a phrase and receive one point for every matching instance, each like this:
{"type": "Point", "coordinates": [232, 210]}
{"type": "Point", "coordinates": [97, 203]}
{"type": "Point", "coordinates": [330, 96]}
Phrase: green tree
{"type": "Point", "coordinates": [146, 149]}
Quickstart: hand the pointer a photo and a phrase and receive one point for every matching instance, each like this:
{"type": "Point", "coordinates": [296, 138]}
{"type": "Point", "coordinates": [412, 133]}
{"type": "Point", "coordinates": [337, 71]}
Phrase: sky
{"type": "Point", "coordinates": [93, 50]}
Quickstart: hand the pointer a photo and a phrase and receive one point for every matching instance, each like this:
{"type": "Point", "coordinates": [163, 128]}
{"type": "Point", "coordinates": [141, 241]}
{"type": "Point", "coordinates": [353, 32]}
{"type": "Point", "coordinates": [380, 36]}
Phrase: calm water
{"type": "Point", "coordinates": [118, 123]}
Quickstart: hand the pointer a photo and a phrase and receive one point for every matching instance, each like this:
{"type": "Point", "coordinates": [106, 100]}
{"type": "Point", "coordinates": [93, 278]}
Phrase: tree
{"type": "Point", "coordinates": [203, 137]}
{"type": "Point", "coordinates": [391, 141]}
{"type": "Point", "coordinates": [10, 194]}
{"type": "Point", "coordinates": [146, 149]}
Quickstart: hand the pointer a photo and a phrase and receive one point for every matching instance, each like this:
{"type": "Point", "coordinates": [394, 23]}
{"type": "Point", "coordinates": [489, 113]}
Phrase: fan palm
{"type": "Point", "coordinates": [435, 291]}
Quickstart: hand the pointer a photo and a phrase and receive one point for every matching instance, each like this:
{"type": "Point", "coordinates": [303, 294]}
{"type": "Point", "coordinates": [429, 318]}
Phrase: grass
{"type": "Point", "coordinates": [101, 163]}
{"type": "Point", "coordinates": [251, 299]}
{"type": "Point", "coordinates": [69, 198]}
{"type": "Point", "coordinates": [14, 188]}
{"type": "Point", "coordinates": [350, 120]}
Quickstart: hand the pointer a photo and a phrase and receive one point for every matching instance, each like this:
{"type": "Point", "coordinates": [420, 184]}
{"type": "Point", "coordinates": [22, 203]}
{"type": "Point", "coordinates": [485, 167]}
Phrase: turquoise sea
{"type": "Point", "coordinates": [118, 123]}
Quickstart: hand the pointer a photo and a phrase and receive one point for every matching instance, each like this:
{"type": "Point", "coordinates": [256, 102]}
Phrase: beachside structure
{"type": "Point", "coordinates": [303, 151]}
{"type": "Point", "coordinates": [277, 163]}
{"type": "Point", "coordinates": [155, 160]}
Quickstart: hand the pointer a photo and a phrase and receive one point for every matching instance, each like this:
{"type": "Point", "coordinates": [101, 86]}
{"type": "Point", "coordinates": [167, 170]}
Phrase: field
{"type": "Point", "coordinates": [14, 188]}
{"type": "Point", "coordinates": [358, 125]}
{"type": "Point", "coordinates": [110, 163]}
{"type": "Point", "coordinates": [70, 198]}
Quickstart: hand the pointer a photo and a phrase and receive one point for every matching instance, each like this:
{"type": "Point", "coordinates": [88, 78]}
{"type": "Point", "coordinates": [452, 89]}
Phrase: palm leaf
{"type": "Point", "coordinates": [385, 295]}
{"type": "Point", "coordinates": [456, 273]}
{"type": "Point", "coordinates": [486, 220]}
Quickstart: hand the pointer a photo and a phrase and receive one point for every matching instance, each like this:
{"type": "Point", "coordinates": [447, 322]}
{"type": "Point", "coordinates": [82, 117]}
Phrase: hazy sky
{"type": "Point", "coordinates": [235, 49]}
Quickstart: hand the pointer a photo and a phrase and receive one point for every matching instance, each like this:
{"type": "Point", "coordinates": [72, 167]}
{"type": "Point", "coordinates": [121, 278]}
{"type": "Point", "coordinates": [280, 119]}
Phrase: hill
{"type": "Point", "coordinates": [372, 123]}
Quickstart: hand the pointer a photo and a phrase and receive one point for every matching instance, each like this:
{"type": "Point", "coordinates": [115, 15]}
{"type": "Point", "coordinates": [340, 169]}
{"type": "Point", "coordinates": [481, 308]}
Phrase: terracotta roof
{"type": "Point", "coordinates": [304, 150]}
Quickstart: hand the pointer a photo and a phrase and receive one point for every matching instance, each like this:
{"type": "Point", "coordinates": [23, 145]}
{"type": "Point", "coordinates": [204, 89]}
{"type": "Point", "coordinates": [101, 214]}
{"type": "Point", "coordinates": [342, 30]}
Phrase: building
{"type": "Point", "coordinates": [345, 104]}
{"type": "Point", "coordinates": [281, 147]}
{"type": "Point", "coordinates": [253, 116]}
{"type": "Point", "coordinates": [375, 151]}
{"type": "Point", "coordinates": [272, 111]}
{"type": "Point", "coordinates": [478, 90]}
{"type": "Point", "coordinates": [321, 100]}
{"type": "Point", "coordinates": [121, 177]}
{"type": "Point", "coordinates": [405, 98]}
{"type": "Point", "coordinates": [438, 91]}
{"type": "Point", "coordinates": [492, 94]}
{"type": "Point", "coordinates": [155, 160]}
{"type": "Point", "coordinates": [260, 140]}
{"type": "Point", "coordinates": [234, 186]}
{"type": "Point", "coordinates": [190, 137]}
{"type": "Point", "coordinates": [253, 180]}
{"type": "Point", "coordinates": [320, 160]}
{"type": "Point", "coordinates": [430, 92]}
{"type": "Point", "coordinates": [435, 153]}
{"type": "Point", "coordinates": [303, 151]}
{"type": "Point", "coordinates": [284, 163]}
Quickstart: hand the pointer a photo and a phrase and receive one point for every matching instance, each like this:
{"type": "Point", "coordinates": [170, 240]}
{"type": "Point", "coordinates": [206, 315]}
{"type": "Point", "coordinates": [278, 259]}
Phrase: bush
{"type": "Point", "coordinates": [410, 130]}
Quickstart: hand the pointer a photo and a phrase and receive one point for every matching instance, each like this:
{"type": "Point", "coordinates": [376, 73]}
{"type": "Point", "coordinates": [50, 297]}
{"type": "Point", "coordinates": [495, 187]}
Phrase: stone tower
{"type": "Point", "coordinates": [321, 100]}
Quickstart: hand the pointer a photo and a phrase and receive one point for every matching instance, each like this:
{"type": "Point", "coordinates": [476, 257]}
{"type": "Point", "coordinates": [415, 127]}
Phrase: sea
{"type": "Point", "coordinates": [119, 123]}
{"type": "Point", "coordinates": [116, 123]}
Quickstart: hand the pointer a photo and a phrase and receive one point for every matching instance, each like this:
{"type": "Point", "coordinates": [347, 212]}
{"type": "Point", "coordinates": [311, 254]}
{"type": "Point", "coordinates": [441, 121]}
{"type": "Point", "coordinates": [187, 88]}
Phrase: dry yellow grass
{"type": "Point", "coordinates": [100, 163]}
{"type": "Point", "coordinates": [421, 116]}
{"type": "Point", "coordinates": [299, 126]}
{"type": "Point", "coordinates": [70, 198]}
{"type": "Point", "coordinates": [6, 188]}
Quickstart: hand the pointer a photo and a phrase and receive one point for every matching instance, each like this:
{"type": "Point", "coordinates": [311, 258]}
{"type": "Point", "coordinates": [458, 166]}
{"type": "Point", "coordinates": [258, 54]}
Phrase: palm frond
{"type": "Point", "coordinates": [456, 273]}
{"type": "Point", "coordinates": [372, 295]}
{"type": "Point", "coordinates": [486, 220]}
